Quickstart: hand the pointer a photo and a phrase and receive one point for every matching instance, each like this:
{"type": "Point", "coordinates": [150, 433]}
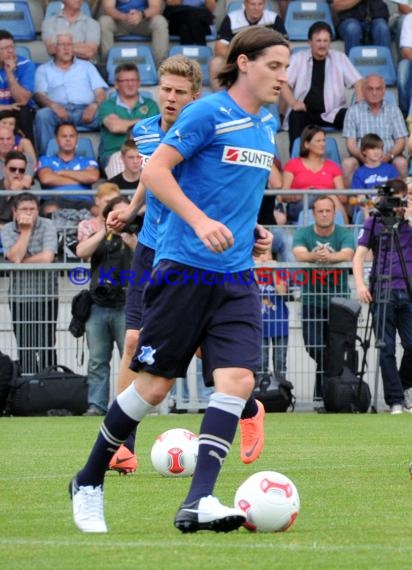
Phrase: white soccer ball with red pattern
{"type": "Point", "coordinates": [174, 453]}
{"type": "Point", "coordinates": [269, 500]}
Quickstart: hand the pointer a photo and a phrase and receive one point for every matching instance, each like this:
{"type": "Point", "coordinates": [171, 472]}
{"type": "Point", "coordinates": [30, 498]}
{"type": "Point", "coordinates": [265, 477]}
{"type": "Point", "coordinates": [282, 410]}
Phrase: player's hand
{"type": "Point", "coordinates": [214, 235]}
{"type": "Point", "coordinates": [364, 294]}
{"type": "Point", "coordinates": [117, 219]}
{"type": "Point", "coordinates": [263, 240]}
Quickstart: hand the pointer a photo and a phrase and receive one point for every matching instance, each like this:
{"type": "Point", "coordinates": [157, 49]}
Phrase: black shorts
{"type": "Point", "coordinates": [142, 266]}
{"type": "Point", "coordinates": [181, 314]}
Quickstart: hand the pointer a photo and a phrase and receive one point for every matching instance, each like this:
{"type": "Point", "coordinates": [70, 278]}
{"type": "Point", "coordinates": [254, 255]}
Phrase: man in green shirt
{"type": "Point", "coordinates": [322, 243]}
{"type": "Point", "coordinates": [121, 110]}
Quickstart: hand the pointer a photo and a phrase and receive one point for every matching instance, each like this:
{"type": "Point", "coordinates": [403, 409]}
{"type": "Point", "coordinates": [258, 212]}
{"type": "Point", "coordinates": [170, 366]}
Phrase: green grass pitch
{"type": "Point", "coordinates": [351, 472]}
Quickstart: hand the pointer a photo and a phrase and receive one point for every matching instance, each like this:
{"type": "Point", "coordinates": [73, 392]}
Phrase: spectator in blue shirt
{"type": "Point", "coordinates": [16, 83]}
{"type": "Point", "coordinates": [68, 171]}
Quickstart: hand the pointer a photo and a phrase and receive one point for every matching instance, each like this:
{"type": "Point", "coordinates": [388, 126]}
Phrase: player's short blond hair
{"type": "Point", "coordinates": [184, 67]}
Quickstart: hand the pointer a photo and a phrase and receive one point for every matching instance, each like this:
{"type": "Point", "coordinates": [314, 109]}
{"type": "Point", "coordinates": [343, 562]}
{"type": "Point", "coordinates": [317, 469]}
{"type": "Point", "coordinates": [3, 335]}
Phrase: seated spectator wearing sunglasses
{"type": "Point", "coordinates": [15, 165]}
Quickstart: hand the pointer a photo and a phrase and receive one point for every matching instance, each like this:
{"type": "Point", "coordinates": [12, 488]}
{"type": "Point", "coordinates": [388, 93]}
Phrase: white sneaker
{"type": "Point", "coordinates": [87, 507]}
{"type": "Point", "coordinates": [396, 409]}
{"type": "Point", "coordinates": [208, 513]}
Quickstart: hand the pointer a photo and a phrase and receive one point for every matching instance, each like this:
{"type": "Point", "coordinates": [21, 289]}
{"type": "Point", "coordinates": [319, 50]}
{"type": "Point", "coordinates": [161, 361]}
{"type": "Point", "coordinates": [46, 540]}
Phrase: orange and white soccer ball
{"type": "Point", "coordinates": [269, 500]}
{"type": "Point", "coordinates": [174, 453]}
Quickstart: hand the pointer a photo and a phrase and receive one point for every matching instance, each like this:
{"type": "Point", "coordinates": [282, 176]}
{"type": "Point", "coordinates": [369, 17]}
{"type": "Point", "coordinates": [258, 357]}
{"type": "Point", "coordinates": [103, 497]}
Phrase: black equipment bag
{"type": "Point", "coordinates": [8, 373]}
{"type": "Point", "coordinates": [275, 392]}
{"type": "Point", "coordinates": [343, 388]}
{"type": "Point", "coordinates": [81, 307]}
{"type": "Point", "coordinates": [346, 393]}
{"type": "Point", "coordinates": [57, 390]}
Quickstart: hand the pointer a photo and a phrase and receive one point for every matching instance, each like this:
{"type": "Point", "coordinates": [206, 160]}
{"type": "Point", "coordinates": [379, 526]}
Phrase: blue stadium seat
{"type": "Point", "coordinates": [374, 59]}
{"type": "Point", "coordinates": [232, 6]}
{"type": "Point", "coordinates": [84, 147]}
{"type": "Point", "coordinates": [141, 56]}
{"type": "Point", "coordinates": [23, 51]}
{"type": "Point", "coordinates": [332, 150]}
{"type": "Point", "coordinates": [301, 15]}
{"type": "Point", "coordinates": [55, 6]}
{"type": "Point", "coordinates": [201, 54]}
{"type": "Point", "coordinates": [16, 18]}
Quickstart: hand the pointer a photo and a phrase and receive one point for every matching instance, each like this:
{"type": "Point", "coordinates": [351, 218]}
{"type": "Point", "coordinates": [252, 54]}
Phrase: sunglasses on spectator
{"type": "Point", "coordinates": [15, 169]}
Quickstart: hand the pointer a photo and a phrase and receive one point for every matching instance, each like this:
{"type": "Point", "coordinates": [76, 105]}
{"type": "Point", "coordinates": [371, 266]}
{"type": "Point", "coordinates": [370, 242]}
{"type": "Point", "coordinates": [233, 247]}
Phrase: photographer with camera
{"type": "Point", "coordinates": [388, 234]}
{"type": "Point", "coordinates": [110, 253]}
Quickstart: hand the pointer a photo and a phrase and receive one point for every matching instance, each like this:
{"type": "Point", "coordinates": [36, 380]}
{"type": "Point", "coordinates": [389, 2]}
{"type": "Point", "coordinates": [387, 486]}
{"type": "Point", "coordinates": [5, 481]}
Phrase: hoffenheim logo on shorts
{"type": "Point", "coordinates": [247, 157]}
{"type": "Point", "coordinates": [146, 354]}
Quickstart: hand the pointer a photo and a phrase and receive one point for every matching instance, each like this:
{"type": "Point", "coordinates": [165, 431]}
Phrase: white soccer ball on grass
{"type": "Point", "coordinates": [174, 453]}
{"type": "Point", "coordinates": [269, 500]}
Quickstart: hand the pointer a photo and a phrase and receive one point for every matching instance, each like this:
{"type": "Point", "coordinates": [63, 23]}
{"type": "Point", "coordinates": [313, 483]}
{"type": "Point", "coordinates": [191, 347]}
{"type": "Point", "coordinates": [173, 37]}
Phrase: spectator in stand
{"type": "Point", "coordinates": [66, 89]}
{"type": "Point", "coordinates": [8, 143]}
{"type": "Point", "coordinates": [311, 170]}
{"type": "Point", "coordinates": [85, 30]}
{"type": "Point", "coordinates": [252, 13]}
{"type": "Point", "coordinates": [405, 70]}
{"type": "Point", "coordinates": [358, 19]}
{"type": "Point", "coordinates": [371, 174]}
{"type": "Point", "coordinates": [190, 20]}
{"type": "Point", "coordinates": [67, 171]}
{"type": "Point", "coordinates": [322, 243]}
{"type": "Point", "coordinates": [374, 115]}
{"type": "Point", "coordinates": [123, 108]}
{"type": "Point", "coordinates": [22, 143]}
{"type": "Point", "coordinates": [17, 83]}
{"type": "Point", "coordinates": [33, 296]}
{"type": "Point", "coordinates": [317, 79]}
{"type": "Point", "coordinates": [142, 17]}
{"type": "Point", "coordinates": [129, 178]}
{"type": "Point", "coordinates": [15, 164]}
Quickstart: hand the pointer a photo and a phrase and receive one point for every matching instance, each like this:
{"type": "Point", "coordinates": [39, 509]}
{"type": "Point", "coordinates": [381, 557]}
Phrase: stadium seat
{"type": "Point", "coordinates": [84, 147]}
{"type": "Point", "coordinates": [374, 59]}
{"type": "Point", "coordinates": [23, 51]}
{"type": "Point", "coordinates": [201, 54]}
{"type": "Point", "coordinates": [301, 15]}
{"type": "Point", "coordinates": [55, 6]}
{"type": "Point", "coordinates": [16, 18]}
{"type": "Point", "coordinates": [232, 6]}
{"type": "Point", "coordinates": [332, 150]}
{"type": "Point", "coordinates": [141, 56]}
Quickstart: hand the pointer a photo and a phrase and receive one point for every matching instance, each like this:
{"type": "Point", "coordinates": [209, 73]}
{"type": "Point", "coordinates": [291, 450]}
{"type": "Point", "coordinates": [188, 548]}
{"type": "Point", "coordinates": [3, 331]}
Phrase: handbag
{"type": "Point", "coordinates": [57, 390]}
{"type": "Point", "coordinates": [275, 392]}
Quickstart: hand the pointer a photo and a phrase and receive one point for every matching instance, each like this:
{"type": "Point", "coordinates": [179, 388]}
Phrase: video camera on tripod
{"type": "Point", "coordinates": [388, 207]}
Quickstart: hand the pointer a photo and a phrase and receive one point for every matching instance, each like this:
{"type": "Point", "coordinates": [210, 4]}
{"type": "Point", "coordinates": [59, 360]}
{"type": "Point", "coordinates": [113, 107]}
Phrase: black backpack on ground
{"type": "Point", "coordinates": [275, 392]}
{"type": "Point", "coordinates": [343, 387]}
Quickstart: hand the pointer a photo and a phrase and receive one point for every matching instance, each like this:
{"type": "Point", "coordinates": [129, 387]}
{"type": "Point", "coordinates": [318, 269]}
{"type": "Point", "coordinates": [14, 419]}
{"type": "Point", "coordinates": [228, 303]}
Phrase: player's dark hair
{"type": "Point", "coordinates": [250, 42]}
{"type": "Point", "coordinates": [319, 26]}
{"type": "Point", "coordinates": [371, 140]}
{"type": "Point", "coordinates": [307, 135]}
{"type": "Point", "coordinates": [397, 185]}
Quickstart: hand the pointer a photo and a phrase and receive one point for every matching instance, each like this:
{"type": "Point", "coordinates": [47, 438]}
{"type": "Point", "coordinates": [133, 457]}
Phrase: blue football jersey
{"type": "Point", "coordinates": [147, 135]}
{"type": "Point", "coordinates": [228, 155]}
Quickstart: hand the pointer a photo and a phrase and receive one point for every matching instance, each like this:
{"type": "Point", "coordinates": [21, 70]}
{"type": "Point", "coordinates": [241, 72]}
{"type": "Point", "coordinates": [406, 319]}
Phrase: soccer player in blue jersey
{"type": "Point", "coordinates": [224, 146]}
{"type": "Point", "coordinates": [179, 83]}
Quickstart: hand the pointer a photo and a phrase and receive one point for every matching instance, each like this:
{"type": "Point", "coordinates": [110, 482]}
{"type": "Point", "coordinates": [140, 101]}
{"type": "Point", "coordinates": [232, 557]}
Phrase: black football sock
{"type": "Point", "coordinates": [217, 432]}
